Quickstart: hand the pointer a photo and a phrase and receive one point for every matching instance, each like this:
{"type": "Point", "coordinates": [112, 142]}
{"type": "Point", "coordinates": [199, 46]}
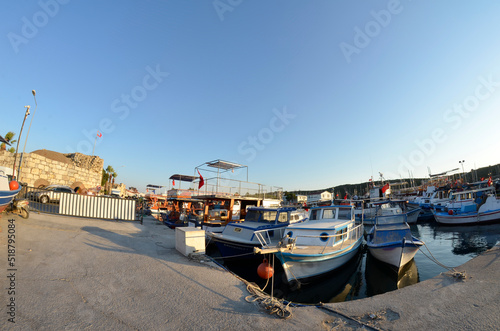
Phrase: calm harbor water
{"type": "Point", "coordinates": [364, 276]}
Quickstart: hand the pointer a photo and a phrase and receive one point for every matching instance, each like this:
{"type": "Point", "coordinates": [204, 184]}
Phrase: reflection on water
{"type": "Point", "coordinates": [382, 278]}
{"type": "Point", "coordinates": [471, 239]}
{"type": "Point", "coordinates": [364, 276]}
{"type": "Point", "coordinates": [337, 286]}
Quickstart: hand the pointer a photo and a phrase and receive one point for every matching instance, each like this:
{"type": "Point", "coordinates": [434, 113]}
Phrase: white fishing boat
{"type": "Point", "coordinates": [432, 197]}
{"type": "Point", "coordinates": [390, 240]}
{"type": "Point", "coordinates": [386, 208]}
{"type": "Point", "coordinates": [237, 240]}
{"type": "Point", "coordinates": [327, 241]}
{"type": "Point", "coordinates": [482, 208]}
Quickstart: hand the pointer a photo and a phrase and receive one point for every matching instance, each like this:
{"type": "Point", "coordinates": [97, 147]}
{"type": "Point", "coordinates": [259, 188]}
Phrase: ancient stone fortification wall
{"type": "Point", "coordinates": [70, 169]}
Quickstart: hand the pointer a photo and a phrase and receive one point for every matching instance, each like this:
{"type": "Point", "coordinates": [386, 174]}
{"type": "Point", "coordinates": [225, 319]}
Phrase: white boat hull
{"type": "Point", "coordinates": [488, 212]}
{"type": "Point", "coordinates": [445, 218]}
{"type": "Point", "coordinates": [298, 267]}
{"type": "Point", "coordinates": [397, 256]}
{"type": "Point", "coordinates": [412, 216]}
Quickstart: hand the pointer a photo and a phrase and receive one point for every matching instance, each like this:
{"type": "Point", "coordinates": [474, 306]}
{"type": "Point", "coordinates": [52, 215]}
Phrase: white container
{"type": "Point", "coordinates": [189, 240]}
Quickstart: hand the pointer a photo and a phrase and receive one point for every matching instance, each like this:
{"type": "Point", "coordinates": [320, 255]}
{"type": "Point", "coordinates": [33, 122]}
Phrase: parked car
{"type": "Point", "coordinates": [50, 193]}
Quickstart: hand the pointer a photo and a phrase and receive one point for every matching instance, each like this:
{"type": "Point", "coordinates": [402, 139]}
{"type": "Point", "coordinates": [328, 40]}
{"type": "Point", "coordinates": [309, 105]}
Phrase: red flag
{"type": "Point", "coordinates": [490, 182]}
{"type": "Point", "coordinates": [99, 134]}
{"type": "Point", "coordinates": [385, 188]}
{"type": "Point", "coordinates": [173, 182]}
{"type": "Point", "coordinates": [345, 196]}
{"type": "Point", "coordinates": [202, 182]}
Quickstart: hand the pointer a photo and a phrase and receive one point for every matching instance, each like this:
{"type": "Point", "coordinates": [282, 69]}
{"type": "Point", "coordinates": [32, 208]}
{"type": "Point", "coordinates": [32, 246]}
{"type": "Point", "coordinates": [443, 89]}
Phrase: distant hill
{"type": "Point", "coordinates": [362, 188]}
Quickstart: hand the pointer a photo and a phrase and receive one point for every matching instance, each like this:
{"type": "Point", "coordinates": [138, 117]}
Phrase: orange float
{"type": "Point", "coordinates": [265, 271]}
{"type": "Point", "coordinates": [13, 185]}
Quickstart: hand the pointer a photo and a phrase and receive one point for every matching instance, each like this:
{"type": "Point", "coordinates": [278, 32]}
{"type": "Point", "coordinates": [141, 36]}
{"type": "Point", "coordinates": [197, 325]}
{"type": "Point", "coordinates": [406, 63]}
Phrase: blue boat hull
{"type": "Point", "coordinates": [6, 197]}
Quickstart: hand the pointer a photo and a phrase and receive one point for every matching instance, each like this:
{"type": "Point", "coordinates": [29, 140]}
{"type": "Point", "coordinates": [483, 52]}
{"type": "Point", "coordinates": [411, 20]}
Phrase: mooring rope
{"type": "Point", "coordinates": [454, 273]}
{"type": "Point", "coordinates": [270, 304]}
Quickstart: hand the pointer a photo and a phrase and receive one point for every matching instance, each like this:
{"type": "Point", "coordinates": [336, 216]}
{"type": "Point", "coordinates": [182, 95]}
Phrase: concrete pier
{"type": "Point", "coordinates": [74, 273]}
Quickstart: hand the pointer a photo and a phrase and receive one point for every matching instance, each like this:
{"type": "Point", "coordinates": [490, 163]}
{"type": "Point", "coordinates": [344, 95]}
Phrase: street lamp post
{"type": "Point", "coordinates": [27, 134]}
{"type": "Point", "coordinates": [18, 139]}
{"type": "Point", "coordinates": [463, 172]}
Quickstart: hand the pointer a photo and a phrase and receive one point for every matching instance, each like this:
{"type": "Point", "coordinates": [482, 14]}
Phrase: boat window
{"type": "Point", "coordinates": [340, 235]}
{"type": "Point", "coordinates": [324, 237]}
{"type": "Point", "coordinates": [344, 214]}
{"type": "Point", "coordinates": [283, 217]}
{"type": "Point", "coordinates": [269, 216]}
{"type": "Point", "coordinates": [261, 216]}
{"type": "Point", "coordinates": [252, 216]}
{"type": "Point", "coordinates": [328, 213]}
{"type": "Point", "coordinates": [314, 214]}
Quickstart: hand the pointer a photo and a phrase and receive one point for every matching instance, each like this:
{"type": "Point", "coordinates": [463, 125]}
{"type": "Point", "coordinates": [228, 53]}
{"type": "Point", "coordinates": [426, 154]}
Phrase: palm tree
{"type": "Point", "coordinates": [8, 137]}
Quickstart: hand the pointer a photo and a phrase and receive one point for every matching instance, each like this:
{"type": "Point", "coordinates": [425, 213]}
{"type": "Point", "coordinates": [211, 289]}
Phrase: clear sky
{"type": "Point", "coordinates": [307, 94]}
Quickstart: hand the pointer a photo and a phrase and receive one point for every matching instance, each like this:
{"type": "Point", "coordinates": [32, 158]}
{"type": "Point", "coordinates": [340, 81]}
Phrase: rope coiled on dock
{"type": "Point", "coordinates": [270, 304]}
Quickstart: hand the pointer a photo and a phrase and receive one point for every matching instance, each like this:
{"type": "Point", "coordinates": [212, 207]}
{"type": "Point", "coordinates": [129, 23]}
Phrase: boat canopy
{"type": "Point", "coordinates": [153, 186]}
{"type": "Point", "coordinates": [220, 164]}
{"type": "Point", "coordinates": [184, 178]}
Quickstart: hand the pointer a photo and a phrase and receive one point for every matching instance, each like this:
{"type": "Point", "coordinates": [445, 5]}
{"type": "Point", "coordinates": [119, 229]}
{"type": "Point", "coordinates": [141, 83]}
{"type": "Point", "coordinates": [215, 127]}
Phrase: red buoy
{"type": "Point", "coordinates": [450, 212]}
{"type": "Point", "coordinates": [265, 271]}
{"type": "Point", "coordinates": [13, 185]}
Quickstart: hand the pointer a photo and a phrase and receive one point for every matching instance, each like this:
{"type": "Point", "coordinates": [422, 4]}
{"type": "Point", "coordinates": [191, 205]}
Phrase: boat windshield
{"type": "Point", "coordinates": [391, 219]}
{"type": "Point", "coordinates": [261, 216]}
{"type": "Point", "coordinates": [344, 213]}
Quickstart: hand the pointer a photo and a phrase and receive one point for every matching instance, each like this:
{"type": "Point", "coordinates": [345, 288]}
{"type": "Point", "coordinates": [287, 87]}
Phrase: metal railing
{"type": "Point", "coordinates": [73, 204]}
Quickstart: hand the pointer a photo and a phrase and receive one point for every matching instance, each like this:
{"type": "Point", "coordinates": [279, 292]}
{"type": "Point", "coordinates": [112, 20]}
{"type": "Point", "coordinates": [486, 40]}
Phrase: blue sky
{"type": "Point", "coordinates": [307, 94]}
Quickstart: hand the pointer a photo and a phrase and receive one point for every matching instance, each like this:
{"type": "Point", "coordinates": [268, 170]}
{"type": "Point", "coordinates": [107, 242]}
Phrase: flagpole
{"type": "Point", "coordinates": [93, 149]}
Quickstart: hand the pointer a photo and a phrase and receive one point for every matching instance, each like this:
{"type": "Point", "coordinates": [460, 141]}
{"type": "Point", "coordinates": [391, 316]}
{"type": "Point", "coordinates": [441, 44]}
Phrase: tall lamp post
{"type": "Point", "coordinates": [463, 172]}
{"type": "Point", "coordinates": [18, 139]}
{"type": "Point", "coordinates": [27, 134]}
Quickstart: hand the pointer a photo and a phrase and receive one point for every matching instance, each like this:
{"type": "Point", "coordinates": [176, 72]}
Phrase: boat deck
{"type": "Point", "coordinates": [310, 249]}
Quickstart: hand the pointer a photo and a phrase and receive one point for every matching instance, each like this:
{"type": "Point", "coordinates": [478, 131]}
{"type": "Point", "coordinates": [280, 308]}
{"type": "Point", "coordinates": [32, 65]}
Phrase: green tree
{"type": "Point", "coordinates": [8, 137]}
{"type": "Point", "coordinates": [290, 196]}
{"type": "Point", "coordinates": [105, 177]}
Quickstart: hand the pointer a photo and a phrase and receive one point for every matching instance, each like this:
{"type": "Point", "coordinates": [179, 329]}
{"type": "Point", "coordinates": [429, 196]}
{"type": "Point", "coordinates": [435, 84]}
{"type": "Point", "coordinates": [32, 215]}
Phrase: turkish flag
{"type": "Point", "coordinates": [490, 182]}
{"type": "Point", "coordinates": [202, 182]}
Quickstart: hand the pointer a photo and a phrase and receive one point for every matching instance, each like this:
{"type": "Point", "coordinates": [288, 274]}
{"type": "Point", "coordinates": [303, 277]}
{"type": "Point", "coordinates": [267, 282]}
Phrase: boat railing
{"type": "Point", "coordinates": [345, 239]}
{"type": "Point", "coordinates": [264, 237]}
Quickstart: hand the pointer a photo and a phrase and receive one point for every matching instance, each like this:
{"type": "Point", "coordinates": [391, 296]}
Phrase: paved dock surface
{"type": "Point", "coordinates": [83, 274]}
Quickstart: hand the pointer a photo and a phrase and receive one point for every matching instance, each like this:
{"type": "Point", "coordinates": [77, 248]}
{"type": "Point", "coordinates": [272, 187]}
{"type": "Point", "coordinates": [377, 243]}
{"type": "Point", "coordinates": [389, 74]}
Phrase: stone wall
{"type": "Point", "coordinates": [80, 168]}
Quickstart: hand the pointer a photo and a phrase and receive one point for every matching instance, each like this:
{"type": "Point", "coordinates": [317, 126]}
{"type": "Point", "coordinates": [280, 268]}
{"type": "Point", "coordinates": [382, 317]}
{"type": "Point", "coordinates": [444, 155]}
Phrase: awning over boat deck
{"type": "Point", "coordinates": [182, 199]}
{"type": "Point", "coordinates": [220, 164]}
{"type": "Point", "coordinates": [154, 186]}
{"type": "Point", "coordinates": [184, 178]}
